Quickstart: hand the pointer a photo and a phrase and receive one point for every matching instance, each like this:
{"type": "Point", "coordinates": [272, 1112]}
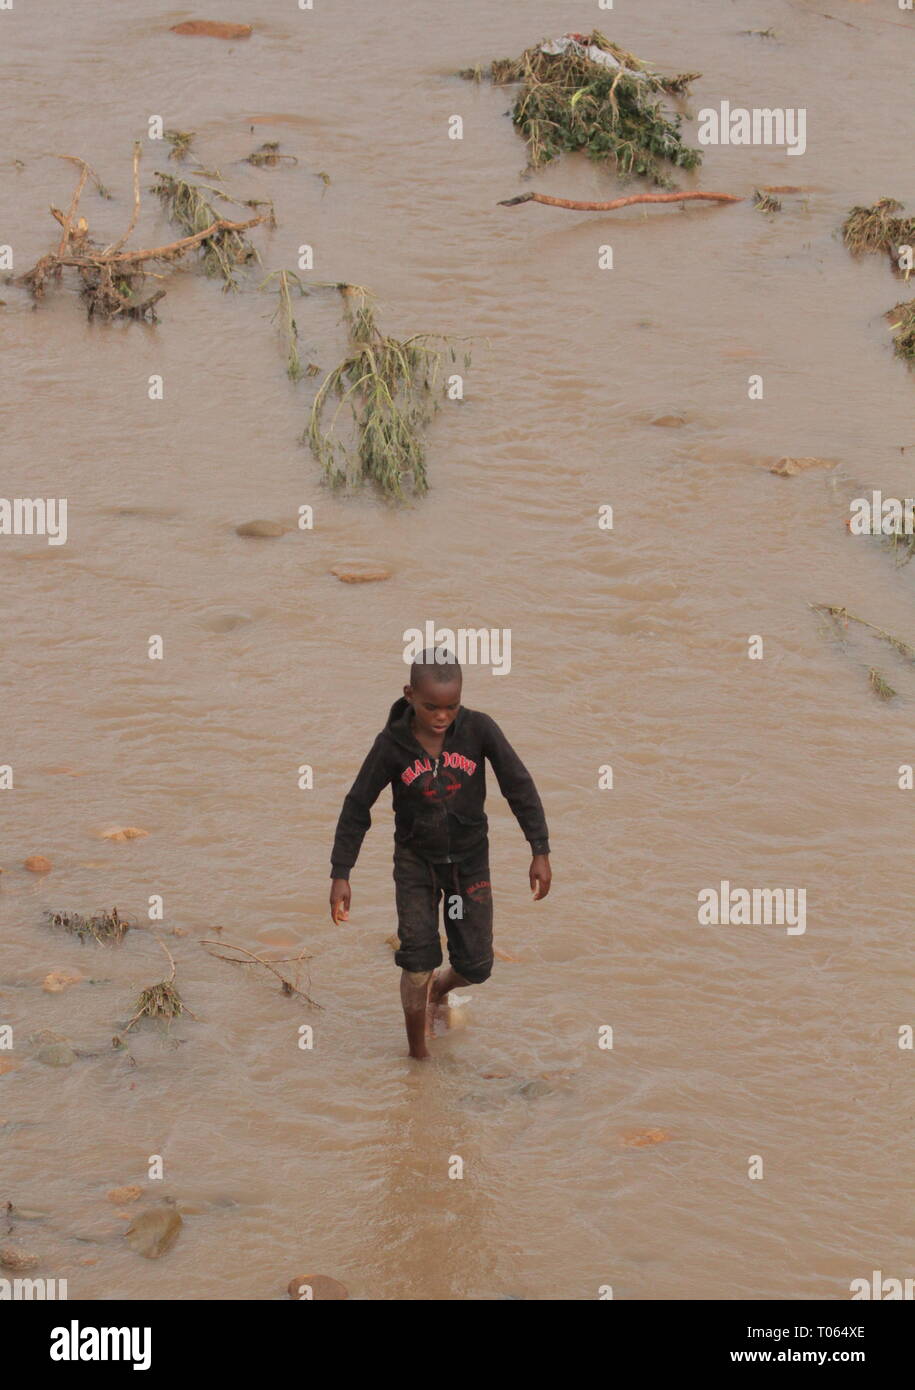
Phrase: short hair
{"type": "Point", "coordinates": [437, 664]}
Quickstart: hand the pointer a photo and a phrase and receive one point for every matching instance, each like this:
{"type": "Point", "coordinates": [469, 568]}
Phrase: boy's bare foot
{"type": "Point", "coordinates": [443, 981]}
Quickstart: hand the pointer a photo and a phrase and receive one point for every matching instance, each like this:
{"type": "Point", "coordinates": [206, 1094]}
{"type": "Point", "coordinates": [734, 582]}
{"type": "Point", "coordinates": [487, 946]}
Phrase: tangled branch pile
{"type": "Point", "coordinates": [108, 927]}
{"type": "Point", "coordinates": [582, 92]}
{"type": "Point", "coordinates": [224, 245]}
{"type": "Point", "coordinates": [113, 282]}
{"type": "Point", "coordinates": [875, 229]}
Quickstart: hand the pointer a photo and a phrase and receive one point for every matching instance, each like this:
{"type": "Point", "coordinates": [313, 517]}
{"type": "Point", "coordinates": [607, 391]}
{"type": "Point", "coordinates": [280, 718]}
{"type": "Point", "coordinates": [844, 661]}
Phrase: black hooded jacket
{"type": "Point", "coordinates": [438, 802]}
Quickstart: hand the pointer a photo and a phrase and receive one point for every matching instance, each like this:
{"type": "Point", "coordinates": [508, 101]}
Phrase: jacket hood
{"type": "Point", "coordinates": [398, 723]}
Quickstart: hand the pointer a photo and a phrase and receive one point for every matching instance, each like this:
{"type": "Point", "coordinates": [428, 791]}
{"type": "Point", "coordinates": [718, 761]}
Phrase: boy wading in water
{"type": "Point", "coordinates": [432, 752]}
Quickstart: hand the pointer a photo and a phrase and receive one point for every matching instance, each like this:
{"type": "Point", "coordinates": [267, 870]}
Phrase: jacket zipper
{"type": "Point", "coordinates": [444, 808]}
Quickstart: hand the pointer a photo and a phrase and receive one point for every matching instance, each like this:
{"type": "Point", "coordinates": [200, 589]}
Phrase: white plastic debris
{"type": "Point", "coordinates": [597, 55]}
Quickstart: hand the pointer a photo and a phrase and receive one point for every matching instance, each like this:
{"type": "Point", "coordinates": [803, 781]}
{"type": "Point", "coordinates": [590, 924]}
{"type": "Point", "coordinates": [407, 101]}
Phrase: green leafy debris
{"type": "Point", "coordinates": [392, 388]}
{"type": "Point", "coordinates": [613, 112]}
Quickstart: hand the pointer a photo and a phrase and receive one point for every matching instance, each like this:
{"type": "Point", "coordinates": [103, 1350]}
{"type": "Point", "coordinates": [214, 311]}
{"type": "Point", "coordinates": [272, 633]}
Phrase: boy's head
{"type": "Point", "coordinates": [434, 690]}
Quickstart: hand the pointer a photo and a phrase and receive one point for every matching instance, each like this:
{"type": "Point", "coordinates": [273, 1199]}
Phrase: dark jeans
{"type": "Point", "coordinates": [418, 887]}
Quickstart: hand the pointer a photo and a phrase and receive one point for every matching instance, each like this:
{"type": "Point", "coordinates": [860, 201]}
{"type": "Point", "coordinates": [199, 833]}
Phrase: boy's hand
{"type": "Point", "coordinates": [339, 900]}
{"type": "Point", "coordinates": [541, 877]}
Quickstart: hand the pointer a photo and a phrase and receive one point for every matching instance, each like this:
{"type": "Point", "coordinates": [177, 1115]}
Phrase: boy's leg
{"type": "Point", "coordinates": [468, 925]}
{"type": "Point", "coordinates": [416, 893]}
{"type": "Point", "coordinates": [414, 995]}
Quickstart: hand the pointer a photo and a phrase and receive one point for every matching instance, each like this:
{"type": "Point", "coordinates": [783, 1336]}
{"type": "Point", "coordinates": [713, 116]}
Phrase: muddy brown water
{"type": "Point", "coordinates": [629, 648]}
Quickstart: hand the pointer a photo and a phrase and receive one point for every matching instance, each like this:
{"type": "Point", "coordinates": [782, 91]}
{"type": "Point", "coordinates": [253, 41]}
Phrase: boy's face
{"type": "Point", "coordinates": [434, 704]}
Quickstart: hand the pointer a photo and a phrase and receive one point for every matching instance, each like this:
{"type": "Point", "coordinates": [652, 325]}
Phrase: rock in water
{"type": "Point", "coordinates": [59, 980]}
{"type": "Point", "coordinates": [154, 1232]}
{"type": "Point", "coordinates": [57, 1054]}
{"type": "Point", "coordinates": [788, 467]}
{"type": "Point", "coordinates": [37, 864]}
{"type": "Point", "coordinates": [123, 832]}
{"type": "Point", "coordinates": [213, 29]}
{"type": "Point", "coordinates": [312, 1286]}
{"type": "Point", "coordinates": [669, 421]}
{"type": "Point", "coordinates": [260, 528]}
{"type": "Point", "coordinates": [15, 1258]}
{"type": "Point", "coordinates": [532, 1090]}
{"type": "Point", "coordinates": [360, 573]}
{"type": "Point", "coordinates": [125, 1194]}
{"type": "Point", "coordinates": [642, 1138]}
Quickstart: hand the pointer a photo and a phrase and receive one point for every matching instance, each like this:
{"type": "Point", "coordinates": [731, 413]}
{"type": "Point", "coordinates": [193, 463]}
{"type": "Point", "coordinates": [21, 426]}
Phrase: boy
{"type": "Point", "coordinates": [432, 752]}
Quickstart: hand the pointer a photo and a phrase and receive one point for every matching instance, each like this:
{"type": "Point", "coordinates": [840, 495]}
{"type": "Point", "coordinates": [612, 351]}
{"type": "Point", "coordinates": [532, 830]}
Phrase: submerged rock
{"type": "Point", "coordinates": [13, 1257]}
{"type": "Point", "coordinates": [56, 1054]}
{"type": "Point", "coordinates": [669, 421]}
{"type": "Point", "coordinates": [120, 833]}
{"type": "Point", "coordinates": [37, 864]}
{"type": "Point", "coordinates": [314, 1286]}
{"type": "Point", "coordinates": [532, 1090]}
{"type": "Point", "coordinates": [225, 622]}
{"type": "Point", "coordinates": [213, 29]}
{"type": "Point", "coordinates": [475, 1100]}
{"type": "Point", "coordinates": [261, 528]}
{"type": "Point", "coordinates": [360, 572]}
{"type": "Point", "coordinates": [642, 1138]}
{"type": "Point", "coordinates": [59, 980]}
{"type": "Point", "coordinates": [154, 1232]}
{"type": "Point", "coordinates": [788, 467]}
{"type": "Point", "coordinates": [125, 1194]}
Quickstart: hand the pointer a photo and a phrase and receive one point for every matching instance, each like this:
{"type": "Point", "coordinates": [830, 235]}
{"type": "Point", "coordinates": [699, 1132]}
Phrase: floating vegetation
{"type": "Point", "coordinates": [288, 283]}
{"type": "Point", "coordinates": [180, 141]}
{"type": "Point", "coordinates": [766, 202]}
{"type": "Point", "coordinates": [902, 323]}
{"type": "Point", "coordinates": [874, 229]}
{"type": "Point", "coordinates": [902, 544]}
{"type": "Point", "coordinates": [223, 245]}
{"type": "Point", "coordinates": [583, 92]}
{"type": "Point", "coordinates": [108, 928]}
{"type": "Point", "coordinates": [838, 620]}
{"type": "Point", "coordinates": [287, 987]}
{"type": "Point", "coordinates": [878, 684]}
{"type": "Point", "coordinates": [113, 281]}
{"type": "Point", "coordinates": [161, 1000]}
{"type": "Point", "coordinates": [268, 156]}
{"type": "Point", "coordinates": [392, 390]}
{"type": "Point", "coordinates": [878, 229]}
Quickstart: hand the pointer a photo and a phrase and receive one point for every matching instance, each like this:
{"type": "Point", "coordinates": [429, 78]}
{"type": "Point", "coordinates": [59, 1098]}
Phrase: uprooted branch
{"type": "Point", "coordinates": [113, 281]}
{"type": "Point", "coordinates": [577, 206]}
{"type": "Point", "coordinates": [161, 1000]}
{"type": "Point", "coordinates": [253, 959]}
{"type": "Point", "coordinates": [839, 618]}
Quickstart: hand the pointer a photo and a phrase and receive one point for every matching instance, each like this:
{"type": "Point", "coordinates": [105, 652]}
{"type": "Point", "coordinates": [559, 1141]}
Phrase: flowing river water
{"type": "Point", "coordinates": [628, 1166]}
